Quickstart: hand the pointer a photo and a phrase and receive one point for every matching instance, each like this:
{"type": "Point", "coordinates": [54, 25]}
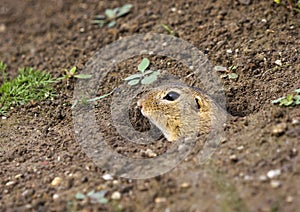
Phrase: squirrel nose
{"type": "Point", "coordinates": [139, 104]}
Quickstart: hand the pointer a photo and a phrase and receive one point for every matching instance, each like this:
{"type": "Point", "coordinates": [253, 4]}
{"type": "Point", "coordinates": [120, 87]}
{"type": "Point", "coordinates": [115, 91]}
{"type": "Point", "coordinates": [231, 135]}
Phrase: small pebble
{"type": "Point", "coordinates": [56, 181]}
{"type": "Point", "coordinates": [18, 176]}
{"type": "Point", "coordinates": [55, 196]}
{"type": "Point", "coordinates": [278, 62]}
{"type": "Point", "coordinates": [264, 20]}
{"type": "Point", "coordinates": [263, 178]}
{"type": "Point", "coordinates": [107, 177]}
{"type": "Point", "coordinates": [28, 206]}
{"type": "Point", "coordinates": [294, 152]}
{"type": "Point", "coordinates": [4, 117]}
{"type": "Point", "coordinates": [2, 28]}
{"type": "Point", "coordinates": [279, 129]}
{"type": "Point", "coordinates": [233, 158]}
{"type": "Point", "coordinates": [116, 195]}
{"type": "Point", "coordinates": [289, 199]}
{"type": "Point", "coordinates": [185, 185]}
{"type": "Point", "coordinates": [275, 183]}
{"type": "Point", "coordinates": [229, 51]}
{"type": "Point", "coordinates": [10, 183]}
{"type": "Point", "coordinates": [273, 173]}
{"type": "Point", "coordinates": [150, 153]}
{"type": "Point", "coordinates": [160, 200]}
{"type": "Point", "coordinates": [173, 9]}
{"type": "Point", "coordinates": [27, 192]}
{"type": "Point", "coordinates": [247, 177]}
{"type": "Point", "coordinates": [295, 121]}
{"type": "Point", "coordinates": [240, 148]}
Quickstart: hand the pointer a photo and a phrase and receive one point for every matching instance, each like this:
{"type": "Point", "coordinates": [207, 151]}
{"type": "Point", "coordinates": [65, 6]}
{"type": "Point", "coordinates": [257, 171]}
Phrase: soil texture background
{"type": "Point", "coordinates": [257, 166]}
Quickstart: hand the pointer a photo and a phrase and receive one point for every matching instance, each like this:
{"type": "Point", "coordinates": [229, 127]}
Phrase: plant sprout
{"type": "Point", "coordinates": [71, 73]}
{"type": "Point", "coordinates": [289, 100]}
{"type": "Point", "coordinates": [229, 72]}
{"type": "Point", "coordinates": [144, 77]}
{"type": "Point", "coordinates": [111, 15]}
{"type": "Point", "coordinates": [168, 29]}
{"type": "Point", "coordinates": [94, 197]}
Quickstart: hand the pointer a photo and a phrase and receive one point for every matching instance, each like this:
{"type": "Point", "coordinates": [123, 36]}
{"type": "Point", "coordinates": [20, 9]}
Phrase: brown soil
{"type": "Point", "coordinates": [37, 141]}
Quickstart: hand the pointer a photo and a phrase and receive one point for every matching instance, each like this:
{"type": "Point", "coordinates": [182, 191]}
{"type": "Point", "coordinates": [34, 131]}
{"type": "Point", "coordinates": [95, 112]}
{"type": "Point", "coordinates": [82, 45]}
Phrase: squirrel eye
{"type": "Point", "coordinates": [171, 96]}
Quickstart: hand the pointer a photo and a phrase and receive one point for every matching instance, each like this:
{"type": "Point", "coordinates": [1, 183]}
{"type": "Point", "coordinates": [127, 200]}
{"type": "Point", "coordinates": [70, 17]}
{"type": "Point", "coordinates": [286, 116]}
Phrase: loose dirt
{"type": "Point", "coordinates": [37, 140]}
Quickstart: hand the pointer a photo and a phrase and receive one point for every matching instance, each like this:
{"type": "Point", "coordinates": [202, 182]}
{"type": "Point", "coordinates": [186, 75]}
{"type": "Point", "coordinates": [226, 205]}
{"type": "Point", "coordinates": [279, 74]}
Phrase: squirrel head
{"type": "Point", "coordinates": [176, 110]}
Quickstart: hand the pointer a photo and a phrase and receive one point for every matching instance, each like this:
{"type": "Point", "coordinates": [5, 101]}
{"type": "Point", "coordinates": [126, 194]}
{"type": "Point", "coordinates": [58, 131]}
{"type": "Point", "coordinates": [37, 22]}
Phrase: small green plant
{"type": "Point", "coordinates": [27, 86]}
{"type": "Point", "coordinates": [111, 15]}
{"type": "Point", "coordinates": [168, 29]}
{"type": "Point", "coordinates": [85, 100]}
{"type": "Point", "coordinates": [3, 70]}
{"type": "Point", "coordinates": [144, 77]}
{"type": "Point", "coordinates": [289, 100]}
{"type": "Point", "coordinates": [93, 197]}
{"type": "Point", "coordinates": [290, 4]}
{"type": "Point", "coordinates": [228, 72]}
{"type": "Point", "coordinates": [71, 74]}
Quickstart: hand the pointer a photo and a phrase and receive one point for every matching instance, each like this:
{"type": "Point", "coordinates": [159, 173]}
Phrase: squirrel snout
{"type": "Point", "coordinates": [139, 104]}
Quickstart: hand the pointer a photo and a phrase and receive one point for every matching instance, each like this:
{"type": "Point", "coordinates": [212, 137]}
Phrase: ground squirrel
{"type": "Point", "coordinates": [180, 111]}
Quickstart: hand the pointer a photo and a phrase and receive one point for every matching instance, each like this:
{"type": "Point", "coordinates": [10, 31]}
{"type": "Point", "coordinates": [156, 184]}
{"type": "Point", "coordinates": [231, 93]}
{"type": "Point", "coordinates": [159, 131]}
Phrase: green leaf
{"type": "Point", "coordinates": [91, 193]}
{"type": "Point", "coordinates": [134, 76]}
{"type": "Point", "coordinates": [110, 14]}
{"type": "Point", "coordinates": [99, 17]}
{"type": "Point", "coordinates": [168, 29]}
{"type": "Point", "coordinates": [297, 99]}
{"type": "Point", "coordinates": [277, 1]}
{"type": "Point", "coordinates": [276, 101]}
{"type": "Point", "coordinates": [111, 24]}
{"type": "Point", "coordinates": [287, 101]}
{"type": "Point", "coordinates": [232, 67]}
{"type": "Point", "coordinates": [73, 70]}
{"type": "Point", "coordinates": [100, 97]}
{"type": "Point", "coordinates": [144, 65]}
{"type": "Point", "coordinates": [148, 72]}
{"type": "Point", "coordinates": [124, 10]}
{"type": "Point", "coordinates": [99, 22]}
{"type": "Point", "coordinates": [103, 200]}
{"type": "Point", "coordinates": [61, 78]}
{"type": "Point", "coordinates": [220, 68]}
{"type": "Point", "coordinates": [83, 76]}
{"type": "Point", "coordinates": [289, 97]}
{"type": "Point", "coordinates": [133, 82]}
{"type": "Point", "coordinates": [98, 197]}
{"type": "Point", "coordinates": [233, 76]}
{"type": "Point", "coordinates": [74, 104]}
{"type": "Point", "coordinates": [149, 79]}
{"type": "Point", "coordinates": [297, 90]}
{"type": "Point", "coordinates": [2, 66]}
{"type": "Point", "coordinates": [155, 73]}
{"type": "Point", "coordinates": [80, 196]}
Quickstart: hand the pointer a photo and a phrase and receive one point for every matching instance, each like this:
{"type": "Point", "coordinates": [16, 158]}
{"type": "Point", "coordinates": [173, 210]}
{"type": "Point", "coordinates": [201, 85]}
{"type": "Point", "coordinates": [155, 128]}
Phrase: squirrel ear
{"type": "Point", "coordinates": [201, 104]}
